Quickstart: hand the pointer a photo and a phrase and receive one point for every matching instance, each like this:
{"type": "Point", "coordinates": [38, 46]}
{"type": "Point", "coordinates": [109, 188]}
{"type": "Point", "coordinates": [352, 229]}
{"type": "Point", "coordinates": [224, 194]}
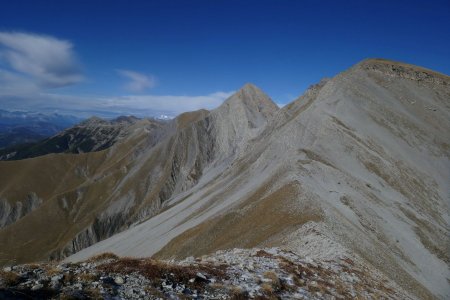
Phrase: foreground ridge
{"type": "Point", "coordinates": [235, 274]}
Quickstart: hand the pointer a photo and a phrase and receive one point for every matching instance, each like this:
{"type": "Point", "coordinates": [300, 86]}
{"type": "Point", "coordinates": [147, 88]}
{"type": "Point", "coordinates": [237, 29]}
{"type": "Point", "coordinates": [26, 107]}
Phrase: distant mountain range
{"type": "Point", "coordinates": [19, 127]}
{"type": "Point", "coordinates": [355, 170]}
{"type": "Point", "coordinates": [93, 134]}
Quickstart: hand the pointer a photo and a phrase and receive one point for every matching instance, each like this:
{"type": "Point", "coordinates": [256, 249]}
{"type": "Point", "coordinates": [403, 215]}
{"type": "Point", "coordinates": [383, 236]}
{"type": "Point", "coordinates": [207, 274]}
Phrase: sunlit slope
{"type": "Point", "coordinates": [362, 158]}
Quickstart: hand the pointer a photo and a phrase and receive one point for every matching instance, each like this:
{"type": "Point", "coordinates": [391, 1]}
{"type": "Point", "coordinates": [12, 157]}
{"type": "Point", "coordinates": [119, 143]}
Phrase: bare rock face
{"type": "Point", "coordinates": [241, 118]}
{"type": "Point", "coordinates": [11, 213]}
{"type": "Point", "coordinates": [357, 165]}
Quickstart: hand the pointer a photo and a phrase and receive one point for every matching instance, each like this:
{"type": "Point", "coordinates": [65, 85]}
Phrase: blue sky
{"type": "Point", "coordinates": [151, 57]}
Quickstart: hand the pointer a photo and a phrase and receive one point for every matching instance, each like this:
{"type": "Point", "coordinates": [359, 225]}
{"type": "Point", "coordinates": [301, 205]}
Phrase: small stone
{"type": "Point", "coordinates": [56, 285]}
{"type": "Point", "coordinates": [187, 291]}
{"type": "Point", "coordinates": [37, 287]}
{"type": "Point", "coordinates": [7, 269]}
{"type": "Point", "coordinates": [201, 278]}
{"type": "Point", "coordinates": [119, 280]}
{"type": "Point", "coordinates": [190, 259]}
{"type": "Point", "coordinates": [57, 278]}
{"type": "Point", "coordinates": [62, 267]}
{"type": "Point", "coordinates": [78, 286]}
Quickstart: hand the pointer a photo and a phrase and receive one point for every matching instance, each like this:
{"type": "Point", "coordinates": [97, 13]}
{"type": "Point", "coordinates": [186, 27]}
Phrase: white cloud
{"type": "Point", "coordinates": [138, 105]}
{"type": "Point", "coordinates": [138, 81]}
{"type": "Point", "coordinates": [168, 103]}
{"type": "Point", "coordinates": [31, 63]}
{"type": "Point", "coordinates": [12, 83]}
{"type": "Point", "coordinates": [45, 60]}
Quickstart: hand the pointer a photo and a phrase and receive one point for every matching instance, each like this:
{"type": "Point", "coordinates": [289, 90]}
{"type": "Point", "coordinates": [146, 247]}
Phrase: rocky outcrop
{"type": "Point", "coordinates": [236, 274]}
{"type": "Point", "coordinates": [405, 71]}
{"type": "Point", "coordinates": [10, 213]}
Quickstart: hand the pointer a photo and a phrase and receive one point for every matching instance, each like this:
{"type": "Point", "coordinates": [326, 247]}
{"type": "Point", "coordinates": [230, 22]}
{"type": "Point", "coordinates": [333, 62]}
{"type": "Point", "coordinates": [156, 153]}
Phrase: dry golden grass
{"type": "Point", "coordinates": [190, 117]}
{"type": "Point", "coordinates": [266, 216]}
{"type": "Point", "coordinates": [9, 278]}
{"type": "Point", "coordinates": [155, 270]}
{"type": "Point", "coordinates": [267, 289]}
{"type": "Point", "coordinates": [51, 271]}
{"type": "Point", "coordinates": [237, 293]}
{"type": "Point", "coordinates": [60, 179]}
{"type": "Point", "coordinates": [33, 266]}
{"type": "Point", "coordinates": [317, 288]}
{"type": "Point", "coordinates": [262, 253]}
{"type": "Point", "coordinates": [103, 256]}
{"type": "Point", "coordinates": [275, 281]}
{"type": "Point", "coordinates": [88, 277]}
{"type": "Point", "coordinates": [217, 285]}
{"type": "Point", "coordinates": [69, 278]}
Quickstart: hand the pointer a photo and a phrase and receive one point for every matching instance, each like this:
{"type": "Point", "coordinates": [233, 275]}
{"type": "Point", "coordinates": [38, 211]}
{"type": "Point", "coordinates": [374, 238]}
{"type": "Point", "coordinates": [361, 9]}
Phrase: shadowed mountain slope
{"type": "Point", "coordinates": [93, 134]}
{"type": "Point", "coordinates": [20, 127]}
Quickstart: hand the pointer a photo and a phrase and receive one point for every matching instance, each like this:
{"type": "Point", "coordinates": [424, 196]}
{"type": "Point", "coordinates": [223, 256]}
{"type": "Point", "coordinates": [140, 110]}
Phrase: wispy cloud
{"type": "Point", "coordinates": [138, 82]}
{"type": "Point", "coordinates": [30, 64]}
{"type": "Point", "coordinates": [43, 60]}
{"type": "Point", "coordinates": [139, 105]}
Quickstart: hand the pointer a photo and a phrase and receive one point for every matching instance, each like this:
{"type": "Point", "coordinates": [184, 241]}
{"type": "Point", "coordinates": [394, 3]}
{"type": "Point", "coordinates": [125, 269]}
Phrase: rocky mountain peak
{"type": "Point", "coordinates": [92, 121]}
{"type": "Point", "coordinates": [253, 100]}
{"type": "Point", "coordinates": [125, 119]}
{"type": "Point", "coordinates": [250, 93]}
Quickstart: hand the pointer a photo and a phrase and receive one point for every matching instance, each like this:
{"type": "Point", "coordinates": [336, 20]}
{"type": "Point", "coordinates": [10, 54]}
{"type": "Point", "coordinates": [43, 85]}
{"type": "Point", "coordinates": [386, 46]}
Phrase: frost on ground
{"type": "Point", "coordinates": [269, 273]}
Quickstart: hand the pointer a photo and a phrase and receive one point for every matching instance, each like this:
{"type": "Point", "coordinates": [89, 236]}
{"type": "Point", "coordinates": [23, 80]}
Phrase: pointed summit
{"type": "Point", "coordinates": [250, 87]}
{"type": "Point", "coordinates": [253, 99]}
{"type": "Point", "coordinates": [247, 109]}
{"type": "Point", "coordinates": [93, 121]}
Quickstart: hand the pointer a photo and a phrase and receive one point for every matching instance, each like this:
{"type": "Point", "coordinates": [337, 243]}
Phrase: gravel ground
{"type": "Point", "coordinates": [269, 273]}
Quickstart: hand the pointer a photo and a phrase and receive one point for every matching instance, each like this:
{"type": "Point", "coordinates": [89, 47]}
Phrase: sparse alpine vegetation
{"type": "Point", "coordinates": [237, 274]}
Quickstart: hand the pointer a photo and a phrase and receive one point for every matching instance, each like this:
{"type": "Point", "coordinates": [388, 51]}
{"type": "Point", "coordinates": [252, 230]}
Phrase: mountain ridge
{"type": "Point", "coordinates": [388, 127]}
{"type": "Point", "coordinates": [92, 134]}
{"type": "Point", "coordinates": [359, 156]}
